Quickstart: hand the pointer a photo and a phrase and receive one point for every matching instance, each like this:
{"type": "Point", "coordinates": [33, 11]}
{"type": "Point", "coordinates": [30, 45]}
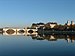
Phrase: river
{"type": "Point", "coordinates": [50, 45]}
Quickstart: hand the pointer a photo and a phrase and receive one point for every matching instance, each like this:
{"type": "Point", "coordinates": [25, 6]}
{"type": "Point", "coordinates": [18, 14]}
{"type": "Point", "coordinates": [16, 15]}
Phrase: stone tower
{"type": "Point", "coordinates": [68, 23]}
{"type": "Point", "coordinates": [72, 22]}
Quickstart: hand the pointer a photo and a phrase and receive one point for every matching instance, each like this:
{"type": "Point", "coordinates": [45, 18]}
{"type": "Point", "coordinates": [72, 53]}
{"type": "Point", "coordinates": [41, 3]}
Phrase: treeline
{"type": "Point", "coordinates": [61, 28]}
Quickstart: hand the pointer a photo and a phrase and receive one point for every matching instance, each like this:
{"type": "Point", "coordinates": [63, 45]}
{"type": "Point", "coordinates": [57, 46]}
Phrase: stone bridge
{"type": "Point", "coordinates": [18, 31]}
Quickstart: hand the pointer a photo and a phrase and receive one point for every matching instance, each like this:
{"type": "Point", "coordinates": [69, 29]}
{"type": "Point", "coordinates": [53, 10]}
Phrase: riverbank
{"type": "Point", "coordinates": [56, 32]}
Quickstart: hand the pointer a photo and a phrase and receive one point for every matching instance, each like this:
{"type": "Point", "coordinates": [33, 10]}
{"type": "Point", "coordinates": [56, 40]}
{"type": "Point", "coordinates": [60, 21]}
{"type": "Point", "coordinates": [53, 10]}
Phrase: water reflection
{"type": "Point", "coordinates": [25, 45]}
{"type": "Point", "coordinates": [68, 38]}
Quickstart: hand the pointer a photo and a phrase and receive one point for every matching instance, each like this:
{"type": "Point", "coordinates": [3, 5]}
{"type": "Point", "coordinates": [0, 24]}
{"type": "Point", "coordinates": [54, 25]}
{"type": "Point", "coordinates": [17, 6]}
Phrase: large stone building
{"type": "Point", "coordinates": [51, 24]}
{"type": "Point", "coordinates": [68, 23]}
{"type": "Point", "coordinates": [72, 22]}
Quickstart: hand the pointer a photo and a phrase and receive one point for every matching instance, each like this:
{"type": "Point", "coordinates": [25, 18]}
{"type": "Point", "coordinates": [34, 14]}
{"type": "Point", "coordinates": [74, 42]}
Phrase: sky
{"type": "Point", "coordinates": [22, 13]}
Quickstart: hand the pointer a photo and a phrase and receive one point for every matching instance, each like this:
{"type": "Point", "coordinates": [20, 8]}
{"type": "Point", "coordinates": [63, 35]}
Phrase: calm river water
{"type": "Point", "coordinates": [37, 46]}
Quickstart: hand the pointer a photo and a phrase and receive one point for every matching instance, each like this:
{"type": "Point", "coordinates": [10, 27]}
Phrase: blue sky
{"type": "Point", "coordinates": [25, 12]}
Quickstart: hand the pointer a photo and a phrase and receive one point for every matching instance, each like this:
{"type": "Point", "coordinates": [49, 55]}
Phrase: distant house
{"type": "Point", "coordinates": [40, 24]}
{"type": "Point", "coordinates": [37, 25]}
{"type": "Point", "coordinates": [51, 24]}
